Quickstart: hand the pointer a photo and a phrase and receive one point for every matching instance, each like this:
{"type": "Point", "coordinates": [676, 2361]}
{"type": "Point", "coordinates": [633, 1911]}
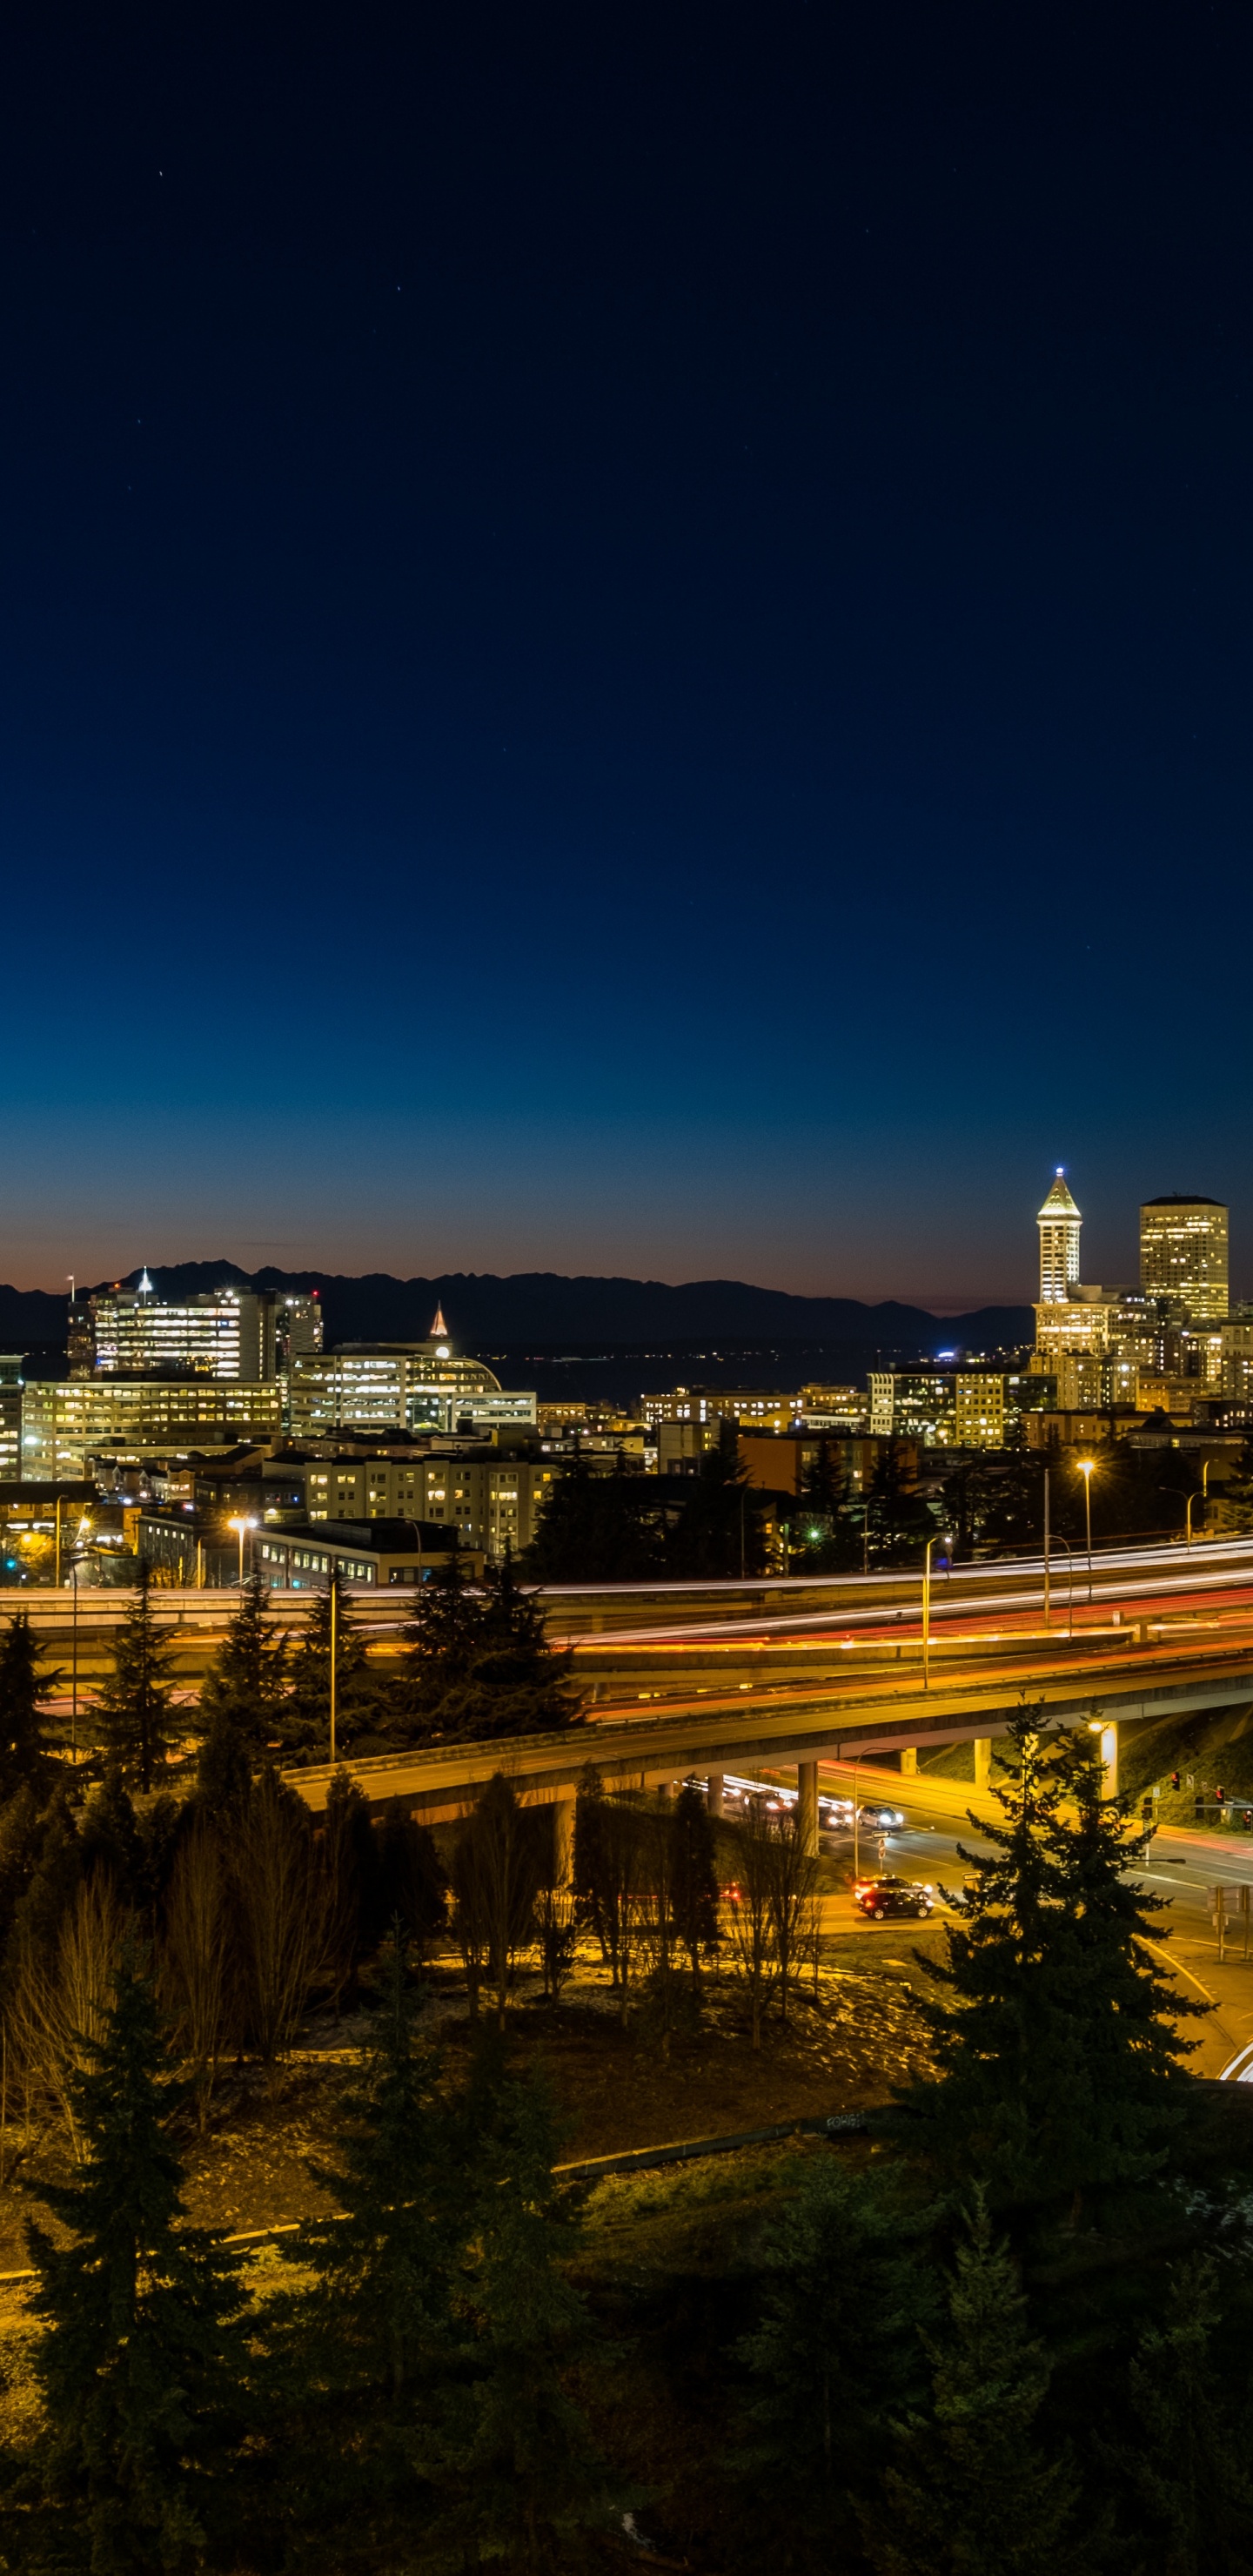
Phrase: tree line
{"type": "Point", "coordinates": [1008, 2335]}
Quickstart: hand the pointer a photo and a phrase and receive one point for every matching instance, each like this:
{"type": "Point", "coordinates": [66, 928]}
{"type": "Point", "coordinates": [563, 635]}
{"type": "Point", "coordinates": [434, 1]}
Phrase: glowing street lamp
{"type": "Point", "coordinates": [241, 1527]}
{"type": "Point", "coordinates": [1085, 1466]}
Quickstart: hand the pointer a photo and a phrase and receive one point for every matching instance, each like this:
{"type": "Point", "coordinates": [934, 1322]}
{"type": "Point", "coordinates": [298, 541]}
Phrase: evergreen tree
{"type": "Point", "coordinates": [694, 1875]}
{"type": "Point", "coordinates": [824, 1531]}
{"type": "Point", "coordinates": [22, 1753]}
{"type": "Point", "coordinates": [247, 1681]}
{"type": "Point", "coordinates": [304, 1717]}
{"type": "Point", "coordinates": [51, 1872]}
{"type": "Point", "coordinates": [411, 1882]}
{"type": "Point", "coordinates": [479, 1663]}
{"type": "Point", "coordinates": [360, 2358]}
{"type": "Point", "coordinates": [136, 1718]}
{"type": "Point", "coordinates": [1126, 2053]}
{"type": "Point", "coordinates": [350, 1872]}
{"type": "Point", "coordinates": [719, 1532]}
{"type": "Point", "coordinates": [1187, 2468]}
{"type": "Point", "coordinates": [444, 1639]}
{"type": "Point", "coordinates": [1054, 2033]}
{"type": "Point", "coordinates": [596, 1529]}
{"type": "Point", "coordinates": [972, 2494]}
{"type": "Point", "coordinates": [845, 2251]}
{"type": "Point", "coordinates": [519, 2481]}
{"type": "Point", "coordinates": [899, 1522]}
{"type": "Point", "coordinates": [142, 2361]}
{"type": "Point", "coordinates": [522, 1683]}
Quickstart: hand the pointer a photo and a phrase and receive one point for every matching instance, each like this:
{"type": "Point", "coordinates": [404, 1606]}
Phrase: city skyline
{"type": "Point", "coordinates": [1105, 1228]}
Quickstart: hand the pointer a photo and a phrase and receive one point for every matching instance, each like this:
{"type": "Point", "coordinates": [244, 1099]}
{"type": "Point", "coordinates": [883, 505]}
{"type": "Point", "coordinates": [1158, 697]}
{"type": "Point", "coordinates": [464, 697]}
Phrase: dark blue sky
{"type": "Point", "coordinates": [625, 637]}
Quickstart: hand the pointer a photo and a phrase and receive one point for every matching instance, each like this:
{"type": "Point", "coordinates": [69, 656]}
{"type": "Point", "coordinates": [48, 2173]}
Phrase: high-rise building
{"type": "Point", "coordinates": [222, 1333]}
{"type": "Point", "coordinates": [10, 1414]}
{"type": "Point", "coordinates": [1183, 1255]}
{"type": "Point", "coordinates": [1059, 1222]}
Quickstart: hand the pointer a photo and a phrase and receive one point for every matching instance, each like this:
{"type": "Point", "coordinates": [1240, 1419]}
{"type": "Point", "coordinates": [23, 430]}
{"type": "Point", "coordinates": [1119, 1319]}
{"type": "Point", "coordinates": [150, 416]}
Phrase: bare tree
{"type": "Point", "coordinates": [495, 1876]}
{"type": "Point", "coordinates": [751, 1916]}
{"type": "Point", "coordinates": [790, 1880]}
{"type": "Point", "coordinates": [196, 1978]}
{"type": "Point", "coordinates": [280, 1913]}
{"type": "Point", "coordinates": [60, 2001]}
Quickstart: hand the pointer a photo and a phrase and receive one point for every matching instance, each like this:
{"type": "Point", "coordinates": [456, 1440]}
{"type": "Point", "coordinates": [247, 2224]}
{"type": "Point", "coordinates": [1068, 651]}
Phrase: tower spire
{"type": "Point", "coordinates": [1059, 1222]}
{"type": "Point", "coordinates": [439, 1329]}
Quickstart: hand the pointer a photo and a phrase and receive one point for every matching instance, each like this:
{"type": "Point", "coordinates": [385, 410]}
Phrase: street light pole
{"type": "Point", "coordinates": [1070, 1585]}
{"type": "Point", "coordinates": [1086, 1466]}
{"type": "Point", "coordinates": [74, 1667]}
{"type": "Point", "coordinates": [926, 1616]}
{"type": "Point", "coordinates": [1047, 1621]}
{"type": "Point", "coordinates": [334, 1651]}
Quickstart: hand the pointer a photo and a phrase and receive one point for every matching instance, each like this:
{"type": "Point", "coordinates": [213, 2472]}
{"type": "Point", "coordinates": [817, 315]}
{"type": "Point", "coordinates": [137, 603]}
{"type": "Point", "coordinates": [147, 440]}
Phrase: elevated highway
{"type": "Point", "coordinates": [714, 1676]}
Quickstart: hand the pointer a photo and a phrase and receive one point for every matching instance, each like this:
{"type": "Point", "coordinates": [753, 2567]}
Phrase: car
{"type": "Point", "coordinates": [877, 1896]}
{"type": "Point", "coordinates": [886, 1819]}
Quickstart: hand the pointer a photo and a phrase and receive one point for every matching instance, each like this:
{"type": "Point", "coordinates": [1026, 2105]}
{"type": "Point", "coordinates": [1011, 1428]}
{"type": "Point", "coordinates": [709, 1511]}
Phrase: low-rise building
{"type": "Point", "coordinates": [755, 1408]}
{"type": "Point", "coordinates": [375, 1552]}
{"type": "Point", "coordinates": [492, 1497]}
{"type": "Point", "coordinates": [65, 1422]}
{"type": "Point", "coordinates": [834, 1408]}
{"type": "Point", "coordinates": [408, 1386]}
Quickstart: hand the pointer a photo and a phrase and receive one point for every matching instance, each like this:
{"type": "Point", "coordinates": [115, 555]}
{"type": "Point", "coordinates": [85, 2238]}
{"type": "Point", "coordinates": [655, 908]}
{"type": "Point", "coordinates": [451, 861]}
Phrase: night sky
{"type": "Point", "coordinates": [625, 637]}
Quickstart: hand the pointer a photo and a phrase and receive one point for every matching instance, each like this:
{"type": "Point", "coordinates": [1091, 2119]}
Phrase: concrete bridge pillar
{"type": "Point", "coordinates": [807, 1808]}
{"type": "Point", "coordinates": [909, 1761]}
{"type": "Point", "coordinates": [1107, 1741]}
{"type": "Point", "coordinates": [713, 1794]}
{"type": "Point", "coordinates": [563, 1840]}
{"type": "Point", "coordinates": [983, 1760]}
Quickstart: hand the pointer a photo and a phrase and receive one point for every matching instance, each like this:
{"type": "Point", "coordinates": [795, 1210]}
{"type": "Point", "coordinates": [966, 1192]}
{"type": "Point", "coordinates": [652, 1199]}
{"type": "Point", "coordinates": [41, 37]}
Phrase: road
{"type": "Point", "coordinates": [1180, 1867]}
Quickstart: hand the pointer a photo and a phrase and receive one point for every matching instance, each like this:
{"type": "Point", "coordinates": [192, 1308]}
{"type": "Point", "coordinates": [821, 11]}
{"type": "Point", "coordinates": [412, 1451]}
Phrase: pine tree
{"type": "Point", "coordinates": [304, 1718]}
{"type": "Point", "coordinates": [1126, 2054]}
{"type": "Point", "coordinates": [247, 1681]}
{"type": "Point", "coordinates": [136, 1718]}
{"type": "Point", "coordinates": [972, 2494]}
{"type": "Point", "coordinates": [479, 1664]}
{"type": "Point", "coordinates": [519, 2482]}
{"type": "Point", "coordinates": [694, 1875]}
{"type": "Point", "coordinates": [22, 1753]}
{"type": "Point", "coordinates": [720, 1530]}
{"type": "Point", "coordinates": [899, 1521]}
{"type": "Point", "coordinates": [142, 2361]}
{"type": "Point", "coordinates": [350, 1872]}
{"type": "Point", "coordinates": [595, 1529]}
{"type": "Point", "coordinates": [360, 2358]}
{"type": "Point", "coordinates": [845, 2250]}
{"type": "Point", "coordinates": [1187, 2467]}
{"type": "Point", "coordinates": [823, 1530]}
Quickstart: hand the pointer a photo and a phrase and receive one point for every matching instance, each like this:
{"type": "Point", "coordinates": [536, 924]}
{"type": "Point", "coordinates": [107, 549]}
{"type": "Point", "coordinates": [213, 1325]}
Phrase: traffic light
{"type": "Point", "coordinates": [1221, 1795]}
{"type": "Point", "coordinates": [1174, 1779]}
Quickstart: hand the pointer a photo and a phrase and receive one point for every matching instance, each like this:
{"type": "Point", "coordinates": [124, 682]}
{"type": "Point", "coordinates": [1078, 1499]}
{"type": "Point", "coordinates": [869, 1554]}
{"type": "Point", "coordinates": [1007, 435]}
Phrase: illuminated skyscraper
{"type": "Point", "coordinates": [1183, 1255]}
{"type": "Point", "coordinates": [1059, 1222]}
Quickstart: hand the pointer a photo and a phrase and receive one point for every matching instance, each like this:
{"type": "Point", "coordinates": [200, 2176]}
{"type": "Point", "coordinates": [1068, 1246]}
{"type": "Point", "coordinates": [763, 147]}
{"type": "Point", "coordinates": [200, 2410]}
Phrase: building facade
{"type": "Point", "coordinates": [1060, 1224]}
{"type": "Point", "coordinates": [407, 1386]}
{"type": "Point", "coordinates": [10, 1414]}
{"type": "Point", "coordinates": [65, 1422]}
{"type": "Point", "coordinates": [1184, 1255]}
{"type": "Point", "coordinates": [490, 1498]}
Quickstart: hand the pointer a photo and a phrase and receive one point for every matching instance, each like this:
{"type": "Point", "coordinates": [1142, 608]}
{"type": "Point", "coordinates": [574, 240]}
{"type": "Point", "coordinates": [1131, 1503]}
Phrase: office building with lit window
{"type": "Point", "coordinates": [1184, 1255]}
{"type": "Point", "coordinates": [66, 1422]}
{"type": "Point", "coordinates": [10, 1415]}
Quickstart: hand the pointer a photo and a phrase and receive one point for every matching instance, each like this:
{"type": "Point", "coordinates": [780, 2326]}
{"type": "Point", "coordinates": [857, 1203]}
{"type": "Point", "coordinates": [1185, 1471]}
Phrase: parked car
{"type": "Point", "coordinates": [877, 1896]}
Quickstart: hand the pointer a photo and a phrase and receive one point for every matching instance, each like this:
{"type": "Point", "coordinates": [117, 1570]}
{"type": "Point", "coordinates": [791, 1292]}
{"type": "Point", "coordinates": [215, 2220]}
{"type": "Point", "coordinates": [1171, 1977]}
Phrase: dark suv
{"type": "Point", "coordinates": [893, 1896]}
